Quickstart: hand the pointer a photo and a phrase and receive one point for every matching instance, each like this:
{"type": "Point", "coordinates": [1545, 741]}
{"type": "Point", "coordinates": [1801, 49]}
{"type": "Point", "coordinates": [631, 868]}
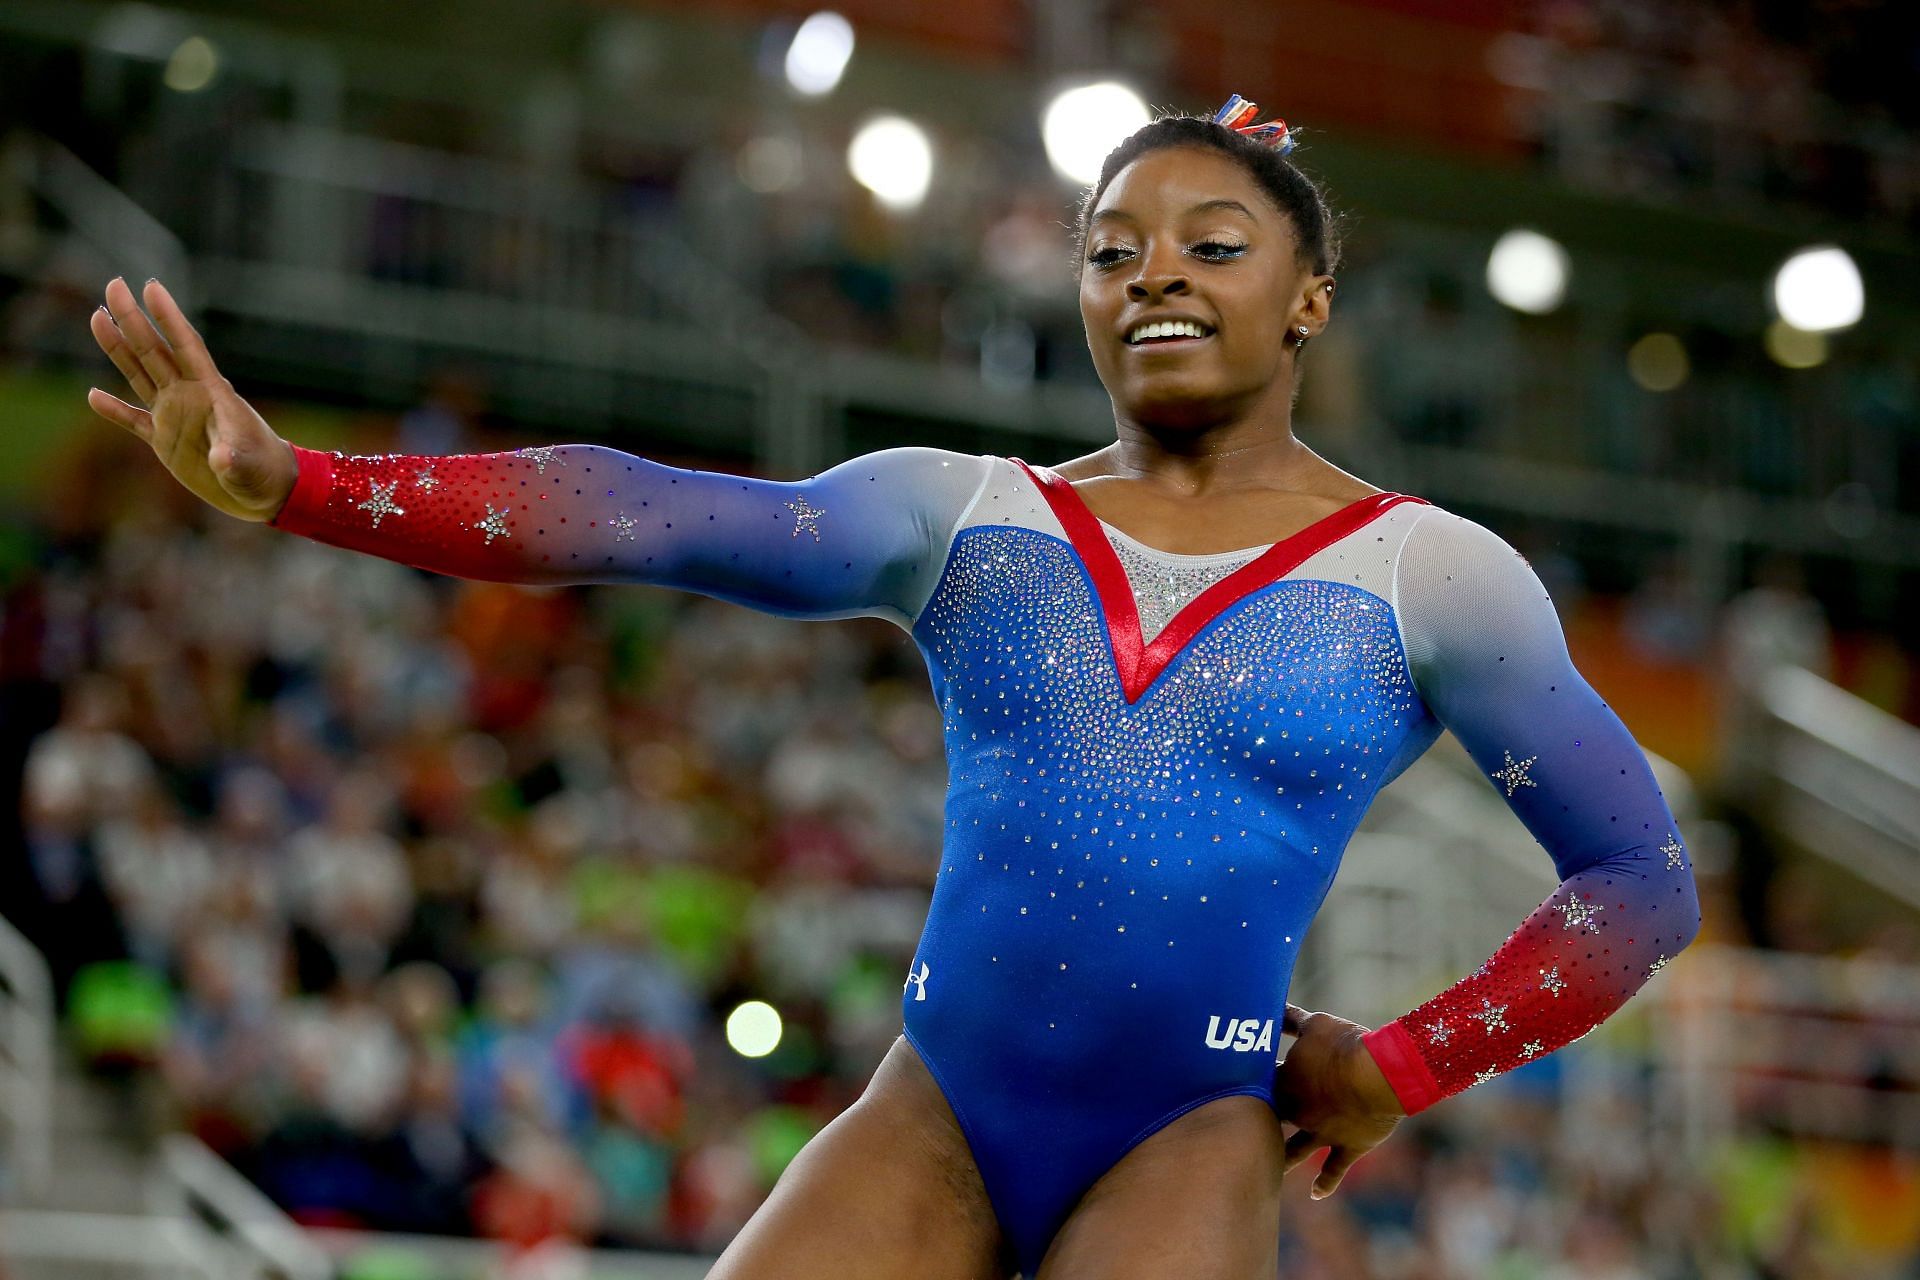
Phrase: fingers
{"type": "Point", "coordinates": [148, 346]}
{"type": "Point", "coordinates": [115, 410]}
{"type": "Point", "coordinates": [1339, 1160]}
{"type": "Point", "coordinates": [114, 343]}
{"type": "Point", "coordinates": [189, 352]}
{"type": "Point", "coordinates": [1294, 1018]}
{"type": "Point", "coordinates": [1302, 1144]}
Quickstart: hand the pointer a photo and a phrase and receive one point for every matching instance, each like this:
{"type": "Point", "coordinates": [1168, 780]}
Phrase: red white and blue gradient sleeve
{"type": "Point", "coordinates": [866, 537]}
{"type": "Point", "coordinates": [1488, 655]}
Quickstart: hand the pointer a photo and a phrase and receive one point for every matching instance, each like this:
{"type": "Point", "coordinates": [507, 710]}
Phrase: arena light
{"type": "Point", "coordinates": [1528, 272]}
{"type": "Point", "coordinates": [769, 163]}
{"type": "Point", "coordinates": [819, 54]}
{"type": "Point", "coordinates": [891, 157]}
{"type": "Point", "coordinates": [1793, 348]}
{"type": "Point", "coordinates": [1083, 124]}
{"type": "Point", "coordinates": [192, 66]}
{"type": "Point", "coordinates": [753, 1029]}
{"type": "Point", "coordinates": [1658, 362]}
{"type": "Point", "coordinates": [1818, 290]}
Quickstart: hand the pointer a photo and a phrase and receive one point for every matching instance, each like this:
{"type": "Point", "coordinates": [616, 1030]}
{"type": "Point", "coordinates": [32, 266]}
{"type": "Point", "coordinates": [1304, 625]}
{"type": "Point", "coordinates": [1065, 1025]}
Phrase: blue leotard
{"type": "Point", "coordinates": [1155, 761]}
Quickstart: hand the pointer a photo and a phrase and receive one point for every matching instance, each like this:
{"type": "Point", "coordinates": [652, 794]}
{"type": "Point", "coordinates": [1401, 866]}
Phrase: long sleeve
{"type": "Point", "coordinates": [866, 537]}
{"type": "Point", "coordinates": [1488, 656]}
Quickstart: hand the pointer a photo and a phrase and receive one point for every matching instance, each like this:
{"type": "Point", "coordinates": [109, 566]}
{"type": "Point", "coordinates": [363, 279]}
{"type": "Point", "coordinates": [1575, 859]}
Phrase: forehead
{"type": "Point", "coordinates": [1171, 180]}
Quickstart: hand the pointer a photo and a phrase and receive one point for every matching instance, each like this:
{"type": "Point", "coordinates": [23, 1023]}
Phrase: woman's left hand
{"type": "Point", "coordinates": [1330, 1088]}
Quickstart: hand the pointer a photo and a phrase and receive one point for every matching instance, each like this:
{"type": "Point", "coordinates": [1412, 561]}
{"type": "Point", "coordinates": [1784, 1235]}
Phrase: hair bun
{"type": "Point", "coordinates": [1238, 115]}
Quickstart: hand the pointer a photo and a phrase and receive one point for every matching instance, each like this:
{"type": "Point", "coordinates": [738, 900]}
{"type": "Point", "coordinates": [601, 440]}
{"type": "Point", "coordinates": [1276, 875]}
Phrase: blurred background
{"type": "Point", "coordinates": [369, 923]}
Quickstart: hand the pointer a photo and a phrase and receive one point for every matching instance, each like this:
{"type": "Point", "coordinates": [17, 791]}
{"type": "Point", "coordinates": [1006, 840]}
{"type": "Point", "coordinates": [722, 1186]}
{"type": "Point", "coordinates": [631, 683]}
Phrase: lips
{"type": "Point", "coordinates": [1167, 330]}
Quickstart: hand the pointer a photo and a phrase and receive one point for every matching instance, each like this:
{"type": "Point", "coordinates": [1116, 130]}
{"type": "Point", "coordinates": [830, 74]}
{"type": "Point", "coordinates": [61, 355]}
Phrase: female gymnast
{"type": "Point", "coordinates": [1173, 673]}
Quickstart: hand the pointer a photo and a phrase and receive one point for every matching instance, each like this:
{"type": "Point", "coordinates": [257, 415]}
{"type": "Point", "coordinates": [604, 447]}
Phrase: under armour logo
{"type": "Point", "coordinates": [918, 981]}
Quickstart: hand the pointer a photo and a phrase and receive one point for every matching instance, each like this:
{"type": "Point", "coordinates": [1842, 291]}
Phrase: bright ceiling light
{"type": "Point", "coordinates": [818, 55]}
{"type": "Point", "coordinates": [753, 1029]}
{"type": "Point", "coordinates": [1082, 125]}
{"type": "Point", "coordinates": [1658, 362]}
{"type": "Point", "coordinates": [192, 66]}
{"type": "Point", "coordinates": [1528, 272]}
{"type": "Point", "coordinates": [891, 157]}
{"type": "Point", "coordinates": [1818, 290]}
{"type": "Point", "coordinates": [1793, 348]}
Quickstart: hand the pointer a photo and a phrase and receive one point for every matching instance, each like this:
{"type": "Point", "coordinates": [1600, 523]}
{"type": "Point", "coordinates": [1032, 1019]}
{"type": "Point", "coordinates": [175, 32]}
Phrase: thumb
{"type": "Point", "coordinates": [1339, 1160]}
{"type": "Point", "coordinates": [1293, 1019]}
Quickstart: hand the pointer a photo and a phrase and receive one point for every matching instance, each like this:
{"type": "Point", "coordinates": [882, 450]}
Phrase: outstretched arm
{"type": "Point", "coordinates": [1487, 654]}
{"type": "Point", "coordinates": [863, 537]}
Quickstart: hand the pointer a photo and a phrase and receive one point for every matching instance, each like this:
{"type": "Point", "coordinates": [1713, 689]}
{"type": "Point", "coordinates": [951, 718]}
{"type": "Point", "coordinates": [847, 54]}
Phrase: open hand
{"type": "Point", "coordinates": [1331, 1088]}
{"type": "Point", "coordinates": [197, 424]}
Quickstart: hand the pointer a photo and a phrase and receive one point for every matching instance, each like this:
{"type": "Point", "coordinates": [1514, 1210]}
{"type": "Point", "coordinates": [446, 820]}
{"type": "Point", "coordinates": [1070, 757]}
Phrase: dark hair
{"type": "Point", "coordinates": [1314, 225]}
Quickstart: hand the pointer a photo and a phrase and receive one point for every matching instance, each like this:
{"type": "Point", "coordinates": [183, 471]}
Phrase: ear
{"type": "Point", "coordinates": [1315, 306]}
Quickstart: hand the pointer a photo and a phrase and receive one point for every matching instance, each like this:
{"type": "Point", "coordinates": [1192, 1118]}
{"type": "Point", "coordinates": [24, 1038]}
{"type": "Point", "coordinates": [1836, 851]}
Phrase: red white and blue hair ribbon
{"type": "Point", "coordinates": [1238, 115]}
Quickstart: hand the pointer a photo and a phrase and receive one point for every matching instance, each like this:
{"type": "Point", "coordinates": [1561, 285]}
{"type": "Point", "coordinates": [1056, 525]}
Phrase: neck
{"type": "Point", "coordinates": [1186, 450]}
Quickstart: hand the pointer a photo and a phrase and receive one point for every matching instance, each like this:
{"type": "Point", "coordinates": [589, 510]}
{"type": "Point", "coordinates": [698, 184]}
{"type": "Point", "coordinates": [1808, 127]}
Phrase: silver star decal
{"type": "Point", "coordinates": [541, 456]}
{"type": "Point", "coordinates": [806, 516]}
{"type": "Point", "coordinates": [1515, 773]}
{"type": "Point", "coordinates": [1491, 1016]}
{"type": "Point", "coordinates": [426, 480]}
{"type": "Point", "coordinates": [1672, 849]}
{"type": "Point", "coordinates": [1578, 913]}
{"type": "Point", "coordinates": [1656, 966]}
{"type": "Point", "coordinates": [495, 524]}
{"type": "Point", "coordinates": [381, 503]}
{"type": "Point", "coordinates": [1552, 981]}
{"type": "Point", "coordinates": [1481, 1077]}
{"type": "Point", "coordinates": [1530, 1048]}
{"type": "Point", "coordinates": [623, 527]}
{"type": "Point", "coordinates": [1439, 1032]}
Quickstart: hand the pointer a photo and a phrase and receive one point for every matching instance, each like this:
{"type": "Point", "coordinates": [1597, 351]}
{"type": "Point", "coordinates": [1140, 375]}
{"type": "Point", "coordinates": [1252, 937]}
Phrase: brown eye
{"type": "Point", "coordinates": [1105, 257]}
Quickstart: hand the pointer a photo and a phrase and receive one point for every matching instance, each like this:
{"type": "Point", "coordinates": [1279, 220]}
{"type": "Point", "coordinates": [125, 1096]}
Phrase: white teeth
{"type": "Point", "coordinates": [1167, 329]}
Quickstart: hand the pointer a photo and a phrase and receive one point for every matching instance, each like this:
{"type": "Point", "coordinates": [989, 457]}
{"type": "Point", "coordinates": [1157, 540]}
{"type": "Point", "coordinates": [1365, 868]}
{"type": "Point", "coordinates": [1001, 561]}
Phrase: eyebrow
{"type": "Point", "coordinates": [1203, 207]}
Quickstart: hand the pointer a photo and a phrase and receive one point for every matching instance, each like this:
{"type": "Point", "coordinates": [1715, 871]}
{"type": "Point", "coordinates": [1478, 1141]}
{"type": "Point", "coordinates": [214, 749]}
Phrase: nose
{"type": "Point", "coordinates": [1155, 281]}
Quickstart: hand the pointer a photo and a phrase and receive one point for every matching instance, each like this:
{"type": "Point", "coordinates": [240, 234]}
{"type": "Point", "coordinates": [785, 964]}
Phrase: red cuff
{"type": "Point", "coordinates": [310, 491]}
{"type": "Point", "coordinates": [1399, 1060]}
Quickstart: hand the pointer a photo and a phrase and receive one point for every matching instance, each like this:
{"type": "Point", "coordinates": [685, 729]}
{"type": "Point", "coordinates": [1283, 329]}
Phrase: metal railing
{"type": "Point", "coordinates": [95, 214]}
{"type": "Point", "coordinates": [58, 1245]}
{"type": "Point", "coordinates": [26, 1063]}
{"type": "Point", "coordinates": [445, 1258]}
{"type": "Point", "coordinates": [1836, 774]}
{"type": "Point", "coordinates": [1820, 1047]}
{"type": "Point", "coordinates": [241, 1233]}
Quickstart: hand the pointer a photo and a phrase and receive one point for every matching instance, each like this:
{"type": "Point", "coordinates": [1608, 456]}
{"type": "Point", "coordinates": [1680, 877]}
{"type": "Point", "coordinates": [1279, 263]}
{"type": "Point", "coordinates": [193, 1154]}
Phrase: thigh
{"type": "Point", "coordinates": [1199, 1200]}
{"type": "Point", "coordinates": [888, 1191]}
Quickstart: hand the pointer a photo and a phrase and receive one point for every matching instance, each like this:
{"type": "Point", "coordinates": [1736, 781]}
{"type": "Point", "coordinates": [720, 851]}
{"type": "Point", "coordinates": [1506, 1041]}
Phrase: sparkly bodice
{"type": "Point", "coordinates": [1098, 847]}
{"type": "Point", "coordinates": [1164, 583]}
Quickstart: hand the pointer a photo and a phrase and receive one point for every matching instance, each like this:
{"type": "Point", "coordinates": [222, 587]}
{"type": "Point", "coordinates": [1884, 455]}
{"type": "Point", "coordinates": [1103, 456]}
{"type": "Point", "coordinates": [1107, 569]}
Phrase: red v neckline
{"type": "Point", "coordinates": [1139, 664]}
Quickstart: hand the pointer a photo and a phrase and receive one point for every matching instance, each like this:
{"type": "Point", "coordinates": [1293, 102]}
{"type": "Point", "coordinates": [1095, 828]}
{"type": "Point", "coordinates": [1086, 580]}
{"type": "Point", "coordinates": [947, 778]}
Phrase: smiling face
{"type": "Point", "coordinates": [1185, 233]}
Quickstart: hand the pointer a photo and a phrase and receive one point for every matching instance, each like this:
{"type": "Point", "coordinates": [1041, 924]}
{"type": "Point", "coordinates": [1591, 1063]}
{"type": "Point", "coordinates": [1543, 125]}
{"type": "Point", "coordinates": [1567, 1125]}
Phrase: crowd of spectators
{"type": "Point", "coordinates": [1730, 102]}
{"type": "Point", "coordinates": [426, 900]}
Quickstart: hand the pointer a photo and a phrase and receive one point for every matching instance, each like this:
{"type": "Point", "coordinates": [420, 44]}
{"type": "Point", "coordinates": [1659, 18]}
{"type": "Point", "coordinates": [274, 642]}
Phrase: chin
{"type": "Point", "coordinates": [1177, 407]}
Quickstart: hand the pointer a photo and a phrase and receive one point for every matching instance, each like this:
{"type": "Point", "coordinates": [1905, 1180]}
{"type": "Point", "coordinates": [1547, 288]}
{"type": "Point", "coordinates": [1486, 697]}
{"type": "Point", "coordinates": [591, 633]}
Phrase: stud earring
{"type": "Point", "coordinates": [1303, 331]}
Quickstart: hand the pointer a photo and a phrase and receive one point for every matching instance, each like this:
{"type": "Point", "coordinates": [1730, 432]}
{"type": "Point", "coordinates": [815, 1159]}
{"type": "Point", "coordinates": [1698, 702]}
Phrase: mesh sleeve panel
{"type": "Point", "coordinates": [1488, 655]}
{"type": "Point", "coordinates": [866, 537]}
